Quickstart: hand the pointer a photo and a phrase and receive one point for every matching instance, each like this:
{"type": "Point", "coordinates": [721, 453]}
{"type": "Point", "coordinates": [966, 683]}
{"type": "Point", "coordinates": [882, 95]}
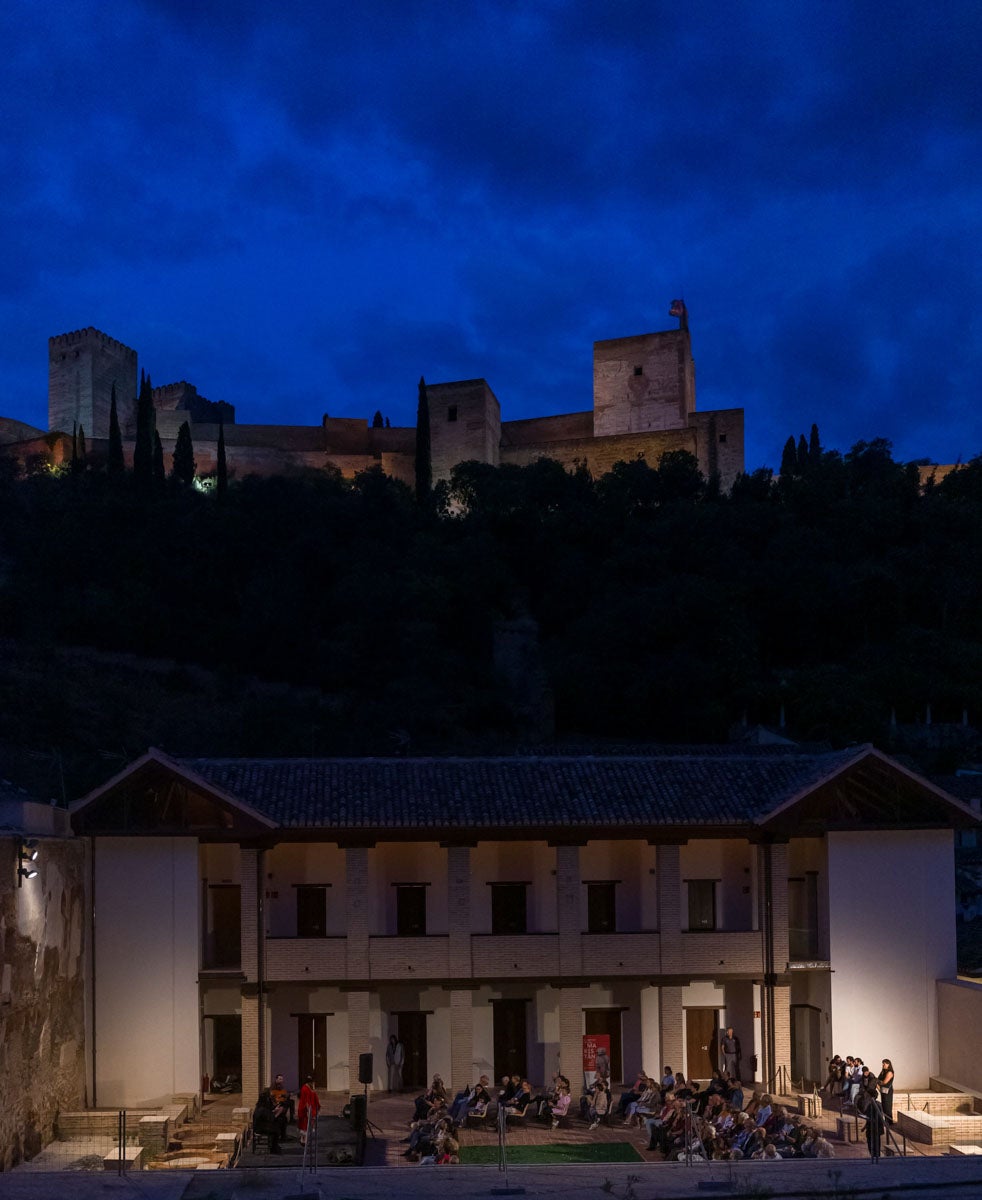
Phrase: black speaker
{"type": "Point", "coordinates": [359, 1113]}
{"type": "Point", "coordinates": [365, 1068]}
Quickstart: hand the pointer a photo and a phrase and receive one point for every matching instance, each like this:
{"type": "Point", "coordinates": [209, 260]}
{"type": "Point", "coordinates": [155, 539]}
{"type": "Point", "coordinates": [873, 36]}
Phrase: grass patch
{"type": "Point", "coordinates": [523, 1156]}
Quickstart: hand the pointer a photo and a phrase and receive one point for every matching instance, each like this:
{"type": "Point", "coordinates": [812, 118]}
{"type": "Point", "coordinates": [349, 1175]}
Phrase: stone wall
{"type": "Point", "coordinates": [42, 1023]}
{"type": "Point", "coordinates": [959, 1021]}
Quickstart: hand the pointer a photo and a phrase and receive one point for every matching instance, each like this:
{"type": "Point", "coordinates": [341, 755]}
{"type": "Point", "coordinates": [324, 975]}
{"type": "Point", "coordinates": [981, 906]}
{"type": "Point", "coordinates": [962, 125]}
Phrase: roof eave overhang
{"type": "Point", "coordinates": [155, 757]}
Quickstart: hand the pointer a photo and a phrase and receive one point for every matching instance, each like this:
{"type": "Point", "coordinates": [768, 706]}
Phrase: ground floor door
{"type": "Point", "coordinates": [312, 1048]}
{"type": "Point", "coordinates": [608, 1021]}
{"type": "Point", "coordinates": [510, 1048]}
{"type": "Point", "coordinates": [412, 1034]}
{"type": "Point", "coordinates": [226, 1047]}
{"type": "Point", "coordinates": [806, 1044]}
{"type": "Point", "coordinates": [701, 1041]}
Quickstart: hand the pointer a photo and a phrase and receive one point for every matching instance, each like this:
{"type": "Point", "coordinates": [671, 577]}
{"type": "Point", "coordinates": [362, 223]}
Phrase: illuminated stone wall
{"type": "Point", "coordinates": [42, 1024]}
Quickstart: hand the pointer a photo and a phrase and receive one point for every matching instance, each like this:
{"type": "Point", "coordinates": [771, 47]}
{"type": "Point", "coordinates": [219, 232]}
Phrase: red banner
{"type": "Point", "coordinates": [596, 1054]}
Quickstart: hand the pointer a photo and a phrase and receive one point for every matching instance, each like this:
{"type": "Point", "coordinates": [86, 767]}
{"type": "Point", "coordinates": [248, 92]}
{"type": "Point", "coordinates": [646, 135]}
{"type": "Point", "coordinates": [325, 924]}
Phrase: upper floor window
{"type": "Point", "coordinates": [601, 904]}
{"type": "Point", "coordinates": [311, 910]}
{"type": "Point", "coordinates": [508, 908]}
{"type": "Point", "coordinates": [452, 412]}
{"type": "Point", "coordinates": [410, 909]}
{"type": "Point", "coordinates": [702, 904]}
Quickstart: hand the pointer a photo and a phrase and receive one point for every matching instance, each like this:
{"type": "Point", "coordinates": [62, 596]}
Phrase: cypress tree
{"type": "Point", "coordinates": [158, 477]}
{"type": "Point", "coordinates": [802, 455]}
{"type": "Point", "coordinates": [143, 451]}
{"type": "Point", "coordinates": [115, 466]}
{"type": "Point", "coordinates": [377, 422]}
{"type": "Point", "coordinates": [814, 448]}
{"type": "Point", "coordinates": [184, 463]}
{"type": "Point", "coordinates": [81, 448]}
{"type": "Point", "coordinates": [222, 481]}
{"type": "Point", "coordinates": [74, 466]}
{"type": "Point", "coordinates": [424, 464]}
{"type": "Point", "coordinates": [789, 459]}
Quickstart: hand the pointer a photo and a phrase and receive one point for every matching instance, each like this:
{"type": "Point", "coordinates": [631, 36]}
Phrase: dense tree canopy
{"type": "Point", "coordinates": [665, 610]}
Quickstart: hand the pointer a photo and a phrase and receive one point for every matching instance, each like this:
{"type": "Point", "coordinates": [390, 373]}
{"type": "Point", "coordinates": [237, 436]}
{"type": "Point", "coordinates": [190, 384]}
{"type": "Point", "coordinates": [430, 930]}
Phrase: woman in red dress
{"type": "Point", "coordinates": [308, 1105]}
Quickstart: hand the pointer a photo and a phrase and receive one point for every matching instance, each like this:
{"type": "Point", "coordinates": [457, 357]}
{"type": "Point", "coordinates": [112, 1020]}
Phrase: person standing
{"type": "Point", "coordinates": [395, 1056]}
{"type": "Point", "coordinates": [308, 1106]}
{"type": "Point", "coordinates": [885, 1082]}
{"type": "Point", "coordinates": [729, 1045]}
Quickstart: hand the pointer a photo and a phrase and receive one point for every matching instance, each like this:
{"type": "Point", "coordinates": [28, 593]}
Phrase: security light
{"type": "Point", "coordinates": [27, 855]}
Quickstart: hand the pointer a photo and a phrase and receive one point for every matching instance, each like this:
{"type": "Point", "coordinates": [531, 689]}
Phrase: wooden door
{"type": "Point", "coordinates": [226, 1046]}
{"type": "Point", "coordinates": [608, 1021]}
{"type": "Point", "coordinates": [510, 1047]}
{"type": "Point", "coordinates": [312, 1048]}
{"type": "Point", "coordinates": [222, 947]}
{"type": "Point", "coordinates": [701, 1041]}
{"type": "Point", "coordinates": [806, 1044]}
{"type": "Point", "coordinates": [412, 1034]}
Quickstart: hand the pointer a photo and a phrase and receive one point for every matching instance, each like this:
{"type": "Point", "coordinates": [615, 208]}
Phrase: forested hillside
{"type": "Point", "coordinates": [309, 615]}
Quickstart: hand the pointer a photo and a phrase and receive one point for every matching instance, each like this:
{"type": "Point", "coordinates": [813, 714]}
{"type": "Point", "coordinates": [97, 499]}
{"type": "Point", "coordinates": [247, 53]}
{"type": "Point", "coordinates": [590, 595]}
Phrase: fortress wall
{"type": "Point", "coordinates": [600, 454]}
{"type": "Point", "coordinates": [17, 431]}
{"type": "Point", "coordinates": [643, 383]}
{"type": "Point", "coordinates": [298, 438]}
{"type": "Point", "coordinates": [537, 430]}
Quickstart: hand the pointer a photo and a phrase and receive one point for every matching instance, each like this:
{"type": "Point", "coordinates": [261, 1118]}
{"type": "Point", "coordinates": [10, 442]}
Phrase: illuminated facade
{"type": "Point", "coordinates": [288, 915]}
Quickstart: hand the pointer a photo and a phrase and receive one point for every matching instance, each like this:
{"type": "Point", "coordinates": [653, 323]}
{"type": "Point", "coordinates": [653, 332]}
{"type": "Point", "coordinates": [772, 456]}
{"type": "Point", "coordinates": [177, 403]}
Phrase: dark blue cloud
{"type": "Point", "coordinates": [303, 207]}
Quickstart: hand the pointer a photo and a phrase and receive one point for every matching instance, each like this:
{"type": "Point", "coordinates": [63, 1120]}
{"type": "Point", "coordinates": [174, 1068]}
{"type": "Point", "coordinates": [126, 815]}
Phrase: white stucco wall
{"type": "Point", "coordinates": [293, 863]}
{"type": "Point", "coordinates": [147, 925]}
{"type": "Point", "coordinates": [891, 937]}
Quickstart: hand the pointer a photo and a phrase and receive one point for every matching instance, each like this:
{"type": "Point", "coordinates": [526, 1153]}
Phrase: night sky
{"type": "Point", "coordinates": [301, 208]}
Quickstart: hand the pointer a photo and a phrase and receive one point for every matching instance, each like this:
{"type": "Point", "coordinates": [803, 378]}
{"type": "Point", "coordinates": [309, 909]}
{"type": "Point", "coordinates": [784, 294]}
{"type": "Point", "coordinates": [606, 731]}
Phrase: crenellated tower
{"type": "Point", "coordinates": [82, 368]}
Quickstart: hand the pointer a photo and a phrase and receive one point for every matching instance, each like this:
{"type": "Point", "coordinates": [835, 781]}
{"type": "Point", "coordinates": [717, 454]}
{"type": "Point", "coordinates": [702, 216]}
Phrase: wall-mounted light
{"type": "Point", "coordinates": [28, 856]}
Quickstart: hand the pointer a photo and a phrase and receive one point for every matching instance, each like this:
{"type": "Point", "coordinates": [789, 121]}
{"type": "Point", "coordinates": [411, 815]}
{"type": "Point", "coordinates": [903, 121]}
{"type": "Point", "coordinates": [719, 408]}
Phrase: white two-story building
{"type": "Point", "coordinates": [259, 916]}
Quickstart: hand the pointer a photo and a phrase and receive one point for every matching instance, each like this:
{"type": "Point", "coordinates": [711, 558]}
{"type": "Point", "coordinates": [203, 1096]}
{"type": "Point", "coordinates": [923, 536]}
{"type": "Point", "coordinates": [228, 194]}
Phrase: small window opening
{"type": "Point", "coordinates": [639, 370]}
{"type": "Point", "coordinates": [722, 438]}
{"type": "Point", "coordinates": [452, 412]}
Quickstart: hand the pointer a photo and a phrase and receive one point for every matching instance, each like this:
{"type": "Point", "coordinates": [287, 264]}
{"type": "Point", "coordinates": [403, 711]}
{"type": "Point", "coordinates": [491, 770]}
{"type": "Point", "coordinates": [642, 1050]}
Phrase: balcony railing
{"type": "Point", "coordinates": [621, 953]}
{"type": "Point", "coordinates": [722, 952]}
{"type": "Point", "coordinates": [409, 957]}
{"type": "Point", "coordinates": [305, 958]}
{"type": "Point", "coordinates": [513, 955]}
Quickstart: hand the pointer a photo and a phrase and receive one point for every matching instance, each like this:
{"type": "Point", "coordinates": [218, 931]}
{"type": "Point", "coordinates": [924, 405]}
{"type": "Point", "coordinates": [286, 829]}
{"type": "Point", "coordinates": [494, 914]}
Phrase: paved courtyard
{"type": "Point", "coordinates": [925, 1172]}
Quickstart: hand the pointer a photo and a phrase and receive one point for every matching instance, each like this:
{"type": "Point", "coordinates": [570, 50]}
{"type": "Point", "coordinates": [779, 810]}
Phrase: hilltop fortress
{"type": "Point", "coordinates": [644, 404]}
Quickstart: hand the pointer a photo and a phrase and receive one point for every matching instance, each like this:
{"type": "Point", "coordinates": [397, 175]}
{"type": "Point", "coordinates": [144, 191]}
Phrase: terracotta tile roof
{"type": "Point", "coordinates": [724, 788]}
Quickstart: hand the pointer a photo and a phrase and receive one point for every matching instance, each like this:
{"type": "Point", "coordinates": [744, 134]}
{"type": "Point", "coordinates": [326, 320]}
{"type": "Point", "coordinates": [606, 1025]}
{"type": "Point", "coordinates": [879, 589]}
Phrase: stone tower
{"type": "Point", "coordinates": [465, 423]}
{"type": "Point", "coordinates": [82, 368]}
{"type": "Point", "coordinates": [643, 383]}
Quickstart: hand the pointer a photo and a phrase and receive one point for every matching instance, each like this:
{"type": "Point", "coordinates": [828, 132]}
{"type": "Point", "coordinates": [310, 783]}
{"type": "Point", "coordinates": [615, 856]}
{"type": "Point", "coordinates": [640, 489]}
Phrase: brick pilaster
{"type": "Point", "coordinates": [251, 1083]}
{"type": "Point", "coordinates": [461, 1038]}
{"type": "Point", "coordinates": [671, 1034]}
{"type": "Point", "coordinates": [571, 1036]}
{"type": "Point", "coordinates": [568, 904]}
{"type": "Point", "coordinates": [356, 887]}
{"type": "Point", "coordinates": [459, 915]}
{"type": "Point", "coordinates": [782, 1032]}
{"type": "Point", "coordinates": [358, 1033]}
{"type": "Point", "coordinates": [779, 904]}
{"type": "Point", "coordinates": [668, 877]}
{"type": "Point", "coordinates": [250, 909]}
